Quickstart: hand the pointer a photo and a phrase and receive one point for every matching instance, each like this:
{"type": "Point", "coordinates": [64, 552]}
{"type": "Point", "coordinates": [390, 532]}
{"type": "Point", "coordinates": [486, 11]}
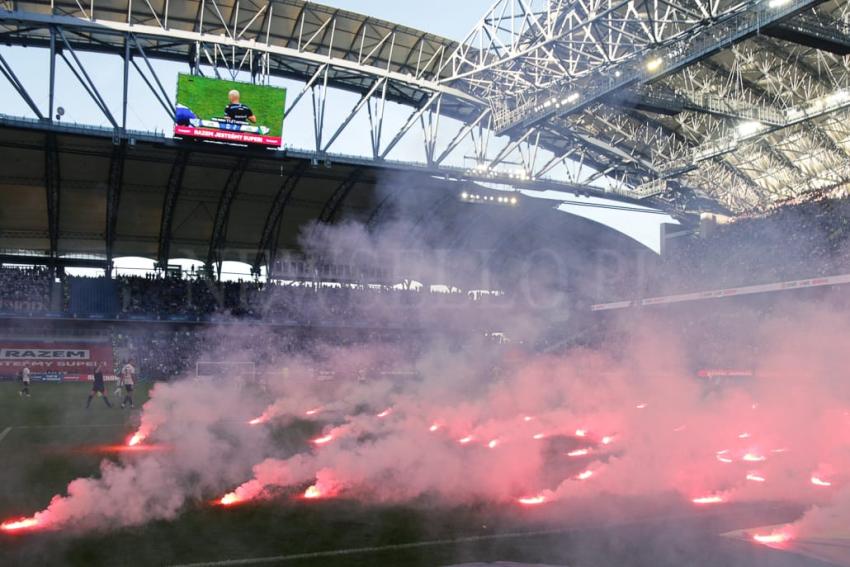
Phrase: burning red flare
{"type": "Point", "coordinates": [313, 411]}
{"type": "Point", "coordinates": [581, 432]}
{"type": "Point", "coordinates": [774, 538]}
{"type": "Point", "coordinates": [539, 436]}
{"type": "Point", "coordinates": [323, 440]}
{"type": "Point", "coordinates": [817, 481]}
{"type": "Point", "coordinates": [578, 453]}
{"type": "Point", "coordinates": [229, 499]}
{"type": "Point", "coordinates": [465, 440]}
{"type": "Point", "coordinates": [607, 440]}
{"type": "Point", "coordinates": [312, 492]}
{"type": "Point", "coordinates": [493, 443]}
{"type": "Point", "coordinates": [641, 405]}
{"type": "Point", "coordinates": [385, 413]}
{"type": "Point", "coordinates": [434, 427]}
{"type": "Point", "coordinates": [258, 420]}
{"type": "Point", "coordinates": [532, 500]}
{"type": "Point", "coordinates": [584, 475]}
{"type": "Point", "coordinates": [20, 524]}
{"type": "Point", "coordinates": [137, 438]}
{"type": "Point", "coordinates": [755, 477]}
{"type": "Point", "coordinates": [708, 500]}
{"type": "Point", "coordinates": [754, 458]}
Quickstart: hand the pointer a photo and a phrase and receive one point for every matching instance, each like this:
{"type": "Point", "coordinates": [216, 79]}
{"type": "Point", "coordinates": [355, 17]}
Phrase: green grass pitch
{"type": "Point", "coordinates": [42, 453]}
{"type": "Point", "coordinates": [44, 450]}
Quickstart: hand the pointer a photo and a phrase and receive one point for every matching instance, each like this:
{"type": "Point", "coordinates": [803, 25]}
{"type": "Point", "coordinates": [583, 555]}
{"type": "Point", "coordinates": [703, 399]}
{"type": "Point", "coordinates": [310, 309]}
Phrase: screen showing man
{"type": "Point", "coordinates": [229, 111]}
{"type": "Point", "coordinates": [237, 111]}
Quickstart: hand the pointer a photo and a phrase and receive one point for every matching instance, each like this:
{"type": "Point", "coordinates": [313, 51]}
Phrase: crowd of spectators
{"type": "Point", "coordinates": [25, 290]}
{"type": "Point", "coordinates": [174, 297]}
{"type": "Point", "coordinates": [793, 242]}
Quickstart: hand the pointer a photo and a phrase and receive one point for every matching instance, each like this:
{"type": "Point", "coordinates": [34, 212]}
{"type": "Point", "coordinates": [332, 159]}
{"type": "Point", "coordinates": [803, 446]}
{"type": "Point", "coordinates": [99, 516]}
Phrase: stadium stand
{"type": "Point", "coordinates": [793, 242]}
{"type": "Point", "coordinates": [25, 290]}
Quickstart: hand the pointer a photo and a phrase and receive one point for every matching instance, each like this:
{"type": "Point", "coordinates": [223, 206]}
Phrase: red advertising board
{"type": "Point", "coordinates": [227, 136]}
{"type": "Point", "coordinates": [73, 357]}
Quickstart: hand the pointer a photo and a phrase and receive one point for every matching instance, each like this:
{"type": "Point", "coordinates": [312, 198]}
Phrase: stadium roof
{"type": "Point", "coordinates": [164, 199]}
{"type": "Point", "coordinates": [739, 103]}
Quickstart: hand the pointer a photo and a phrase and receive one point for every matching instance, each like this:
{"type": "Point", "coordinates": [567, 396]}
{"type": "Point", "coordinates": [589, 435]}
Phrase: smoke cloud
{"type": "Point", "coordinates": [463, 420]}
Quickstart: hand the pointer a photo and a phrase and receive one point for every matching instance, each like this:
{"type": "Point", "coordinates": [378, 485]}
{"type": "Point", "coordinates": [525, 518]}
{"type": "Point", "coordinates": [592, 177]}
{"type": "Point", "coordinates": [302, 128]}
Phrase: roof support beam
{"type": "Point", "coordinates": [6, 71]}
{"type": "Point", "coordinates": [218, 239]}
{"type": "Point", "coordinates": [172, 194]}
{"type": "Point", "coordinates": [267, 247]}
{"type": "Point", "coordinates": [52, 179]}
{"type": "Point", "coordinates": [115, 184]}
{"type": "Point", "coordinates": [331, 208]}
{"type": "Point", "coordinates": [562, 93]}
{"type": "Point", "coordinates": [79, 71]}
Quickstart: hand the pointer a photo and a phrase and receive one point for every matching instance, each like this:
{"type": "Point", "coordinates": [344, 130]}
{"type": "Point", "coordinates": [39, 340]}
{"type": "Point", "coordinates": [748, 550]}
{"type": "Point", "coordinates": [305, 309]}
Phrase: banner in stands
{"type": "Point", "coordinates": [50, 359]}
{"type": "Point", "coordinates": [227, 111]}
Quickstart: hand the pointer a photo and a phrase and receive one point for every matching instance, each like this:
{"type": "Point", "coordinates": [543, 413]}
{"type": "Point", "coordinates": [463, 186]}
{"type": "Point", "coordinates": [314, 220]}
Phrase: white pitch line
{"type": "Point", "coordinates": [5, 433]}
{"type": "Point", "coordinates": [374, 549]}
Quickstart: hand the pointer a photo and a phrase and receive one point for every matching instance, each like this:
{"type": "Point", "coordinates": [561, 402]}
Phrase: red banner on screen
{"type": "Point", "coordinates": [227, 136]}
{"type": "Point", "coordinates": [70, 357]}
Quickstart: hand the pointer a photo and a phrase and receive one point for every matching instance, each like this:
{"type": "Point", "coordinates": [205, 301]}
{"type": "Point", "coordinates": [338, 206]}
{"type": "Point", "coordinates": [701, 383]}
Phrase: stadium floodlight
{"type": "Point", "coordinates": [654, 64]}
{"type": "Point", "coordinates": [748, 128]}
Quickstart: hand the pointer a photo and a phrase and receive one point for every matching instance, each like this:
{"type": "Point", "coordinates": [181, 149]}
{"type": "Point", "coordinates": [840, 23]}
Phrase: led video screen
{"type": "Point", "coordinates": [229, 111]}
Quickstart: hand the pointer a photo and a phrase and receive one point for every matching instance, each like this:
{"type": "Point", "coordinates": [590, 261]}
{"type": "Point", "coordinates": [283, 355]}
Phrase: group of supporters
{"type": "Point", "coordinates": [270, 301]}
{"type": "Point", "coordinates": [25, 289]}
{"type": "Point", "coordinates": [793, 242]}
{"type": "Point", "coordinates": [28, 290]}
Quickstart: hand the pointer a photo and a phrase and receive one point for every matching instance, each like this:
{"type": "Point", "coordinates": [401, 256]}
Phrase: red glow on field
{"type": "Point", "coordinates": [817, 481]}
{"type": "Point", "coordinates": [774, 538]}
{"type": "Point", "coordinates": [434, 427]}
{"type": "Point", "coordinates": [708, 500]}
{"type": "Point", "coordinates": [19, 525]}
{"type": "Point", "coordinates": [312, 492]}
{"type": "Point", "coordinates": [578, 453]}
{"type": "Point", "coordinates": [229, 499]}
{"type": "Point", "coordinates": [385, 413]}
{"type": "Point", "coordinates": [755, 477]}
{"type": "Point", "coordinates": [581, 432]}
{"type": "Point", "coordinates": [101, 449]}
{"type": "Point", "coordinates": [584, 475]}
{"type": "Point", "coordinates": [323, 440]}
{"type": "Point", "coordinates": [753, 458]}
{"type": "Point", "coordinates": [532, 500]}
{"type": "Point", "coordinates": [539, 436]}
{"type": "Point", "coordinates": [493, 443]}
{"type": "Point", "coordinates": [465, 440]}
